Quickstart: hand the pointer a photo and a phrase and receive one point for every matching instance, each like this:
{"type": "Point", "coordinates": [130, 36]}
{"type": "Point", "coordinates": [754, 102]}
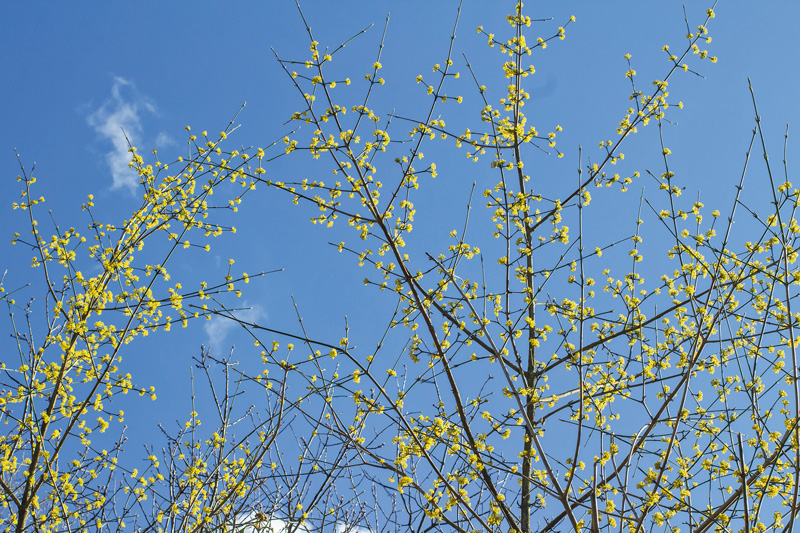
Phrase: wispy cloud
{"type": "Point", "coordinates": [219, 327]}
{"type": "Point", "coordinates": [120, 117]}
{"type": "Point", "coordinates": [164, 139]}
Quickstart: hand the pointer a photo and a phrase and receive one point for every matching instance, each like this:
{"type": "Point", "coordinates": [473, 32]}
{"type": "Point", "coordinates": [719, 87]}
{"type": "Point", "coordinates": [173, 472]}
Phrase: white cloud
{"type": "Point", "coordinates": [341, 528]}
{"type": "Point", "coordinates": [117, 118]}
{"type": "Point", "coordinates": [250, 524]}
{"type": "Point", "coordinates": [218, 327]}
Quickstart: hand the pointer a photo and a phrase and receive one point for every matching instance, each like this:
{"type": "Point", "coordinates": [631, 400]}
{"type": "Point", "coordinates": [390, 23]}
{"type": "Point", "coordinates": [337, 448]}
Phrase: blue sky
{"type": "Point", "coordinates": [74, 74]}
